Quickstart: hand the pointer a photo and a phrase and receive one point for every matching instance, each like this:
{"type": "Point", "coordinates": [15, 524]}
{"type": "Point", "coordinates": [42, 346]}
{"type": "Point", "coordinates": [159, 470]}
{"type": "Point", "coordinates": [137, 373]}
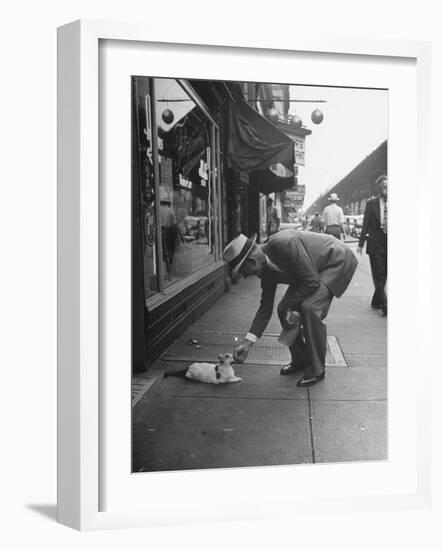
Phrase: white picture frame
{"type": "Point", "coordinates": [79, 448]}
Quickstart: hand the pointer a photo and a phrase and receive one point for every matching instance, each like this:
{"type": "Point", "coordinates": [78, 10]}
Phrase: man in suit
{"type": "Point", "coordinates": [316, 267]}
{"type": "Point", "coordinates": [374, 231]}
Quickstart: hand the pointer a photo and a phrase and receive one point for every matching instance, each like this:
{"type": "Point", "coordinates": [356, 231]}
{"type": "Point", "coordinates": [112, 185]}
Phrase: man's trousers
{"type": "Point", "coordinates": [378, 264]}
{"type": "Point", "coordinates": [310, 346]}
{"type": "Point", "coordinates": [334, 230]}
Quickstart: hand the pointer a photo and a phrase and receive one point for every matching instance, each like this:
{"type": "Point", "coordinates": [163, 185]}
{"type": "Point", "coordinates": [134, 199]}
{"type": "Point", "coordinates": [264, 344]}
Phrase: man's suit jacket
{"type": "Point", "coordinates": [371, 228]}
{"type": "Point", "coordinates": [305, 259]}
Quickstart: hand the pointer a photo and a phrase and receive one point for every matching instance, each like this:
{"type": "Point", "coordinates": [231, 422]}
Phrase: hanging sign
{"type": "Point", "coordinates": [299, 146]}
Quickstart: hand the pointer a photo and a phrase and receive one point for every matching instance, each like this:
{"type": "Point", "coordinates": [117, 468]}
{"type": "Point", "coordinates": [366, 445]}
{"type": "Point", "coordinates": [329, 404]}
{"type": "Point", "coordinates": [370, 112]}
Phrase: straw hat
{"type": "Point", "coordinates": [333, 197]}
{"type": "Point", "coordinates": [237, 251]}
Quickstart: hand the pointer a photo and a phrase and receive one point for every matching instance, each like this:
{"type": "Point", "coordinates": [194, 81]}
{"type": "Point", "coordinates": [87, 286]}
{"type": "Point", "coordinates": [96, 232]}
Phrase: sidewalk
{"type": "Point", "coordinates": [266, 419]}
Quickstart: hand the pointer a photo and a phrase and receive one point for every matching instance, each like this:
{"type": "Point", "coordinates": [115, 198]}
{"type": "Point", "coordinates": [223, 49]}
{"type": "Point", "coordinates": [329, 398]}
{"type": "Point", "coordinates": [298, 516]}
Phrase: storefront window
{"type": "Point", "coordinates": [186, 184]}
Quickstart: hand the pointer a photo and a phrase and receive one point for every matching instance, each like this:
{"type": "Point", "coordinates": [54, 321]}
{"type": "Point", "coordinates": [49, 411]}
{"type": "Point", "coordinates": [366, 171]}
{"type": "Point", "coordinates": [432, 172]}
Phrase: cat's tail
{"type": "Point", "coordinates": [180, 373]}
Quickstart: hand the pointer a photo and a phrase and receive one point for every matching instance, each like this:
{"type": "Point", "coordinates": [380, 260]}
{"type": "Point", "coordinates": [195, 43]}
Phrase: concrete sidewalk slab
{"type": "Point", "coordinates": [359, 360]}
{"type": "Point", "coordinates": [258, 382]}
{"type": "Point", "coordinates": [237, 307]}
{"type": "Point", "coordinates": [184, 433]}
{"type": "Point", "coordinates": [344, 383]}
{"type": "Point", "coordinates": [349, 430]}
{"type": "Point", "coordinates": [370, 341]}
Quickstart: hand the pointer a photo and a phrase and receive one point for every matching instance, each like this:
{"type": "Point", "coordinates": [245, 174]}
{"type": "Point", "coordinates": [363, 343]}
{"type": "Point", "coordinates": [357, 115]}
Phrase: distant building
{"type": "Point", "coordinates": [357, 186]}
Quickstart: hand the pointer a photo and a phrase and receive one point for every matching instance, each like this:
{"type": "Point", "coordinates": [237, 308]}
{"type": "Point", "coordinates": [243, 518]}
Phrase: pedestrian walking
{"type": "Point", "coordinates": [317, 225]}
{"type": "Point", "coordinates": [374, 232]}
{"type": "Point", "coordinates": [333, 217]}
{"type": "Point", "coordinates": [316, 268]}
{"type": "Point", "coordinates": [273, 220]}
{"type": "Point", "coordinates": [169, 232]}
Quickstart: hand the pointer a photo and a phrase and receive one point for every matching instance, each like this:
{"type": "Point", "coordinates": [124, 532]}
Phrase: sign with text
{"type": "Point", "coordinates": [299, 145]}
{"type": "Point", "coordinates": [294, 195]}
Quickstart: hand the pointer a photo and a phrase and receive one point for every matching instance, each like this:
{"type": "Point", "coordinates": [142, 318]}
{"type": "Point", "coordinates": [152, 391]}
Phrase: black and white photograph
{"type": "Point", "coordinates": [202, 343]}
{"type": "Point", "coordinates": [259, 274]}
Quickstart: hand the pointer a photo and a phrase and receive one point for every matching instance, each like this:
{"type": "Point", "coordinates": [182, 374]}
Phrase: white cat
{"type": "Point", "coordinates": [209, 373]}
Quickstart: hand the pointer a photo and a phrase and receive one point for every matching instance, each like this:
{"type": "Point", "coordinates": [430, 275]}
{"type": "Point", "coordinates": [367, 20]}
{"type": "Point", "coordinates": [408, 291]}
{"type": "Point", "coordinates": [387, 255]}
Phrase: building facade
{"type": "Point", "coordinates": [200, 162]}
{"type": "Point", "coordinates": [357, 186]}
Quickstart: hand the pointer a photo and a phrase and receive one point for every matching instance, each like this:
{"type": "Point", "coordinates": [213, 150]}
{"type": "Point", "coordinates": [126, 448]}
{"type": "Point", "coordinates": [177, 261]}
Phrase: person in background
{"type": "Point", "coordinates": [317, 225]}
{"type": "Point", "coordinates": [316, 269]}
{"type": "Point", "coordinates": [273, 220]}
{"type": "Point", "coordinates": [333, 217]}
{"type": "Point", "coordinates": [374, 231]}
{"type": "Point", "coordinates": [169, 232]}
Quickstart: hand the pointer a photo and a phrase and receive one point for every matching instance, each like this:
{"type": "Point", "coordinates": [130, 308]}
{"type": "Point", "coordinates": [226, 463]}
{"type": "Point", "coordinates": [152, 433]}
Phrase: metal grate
{"type": "Point", "coordinates": [266, 351]}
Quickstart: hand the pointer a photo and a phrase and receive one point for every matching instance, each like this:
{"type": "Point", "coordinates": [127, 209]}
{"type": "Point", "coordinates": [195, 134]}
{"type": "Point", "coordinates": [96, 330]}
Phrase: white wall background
{"type": "Point", "coordinates": [28, 268]}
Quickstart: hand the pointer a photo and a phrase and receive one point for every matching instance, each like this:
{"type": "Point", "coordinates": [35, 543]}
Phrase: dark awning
{"type": "Point", "coordinates": [266, 182]}
{"type": "Point", "coordinates": [254, 143]}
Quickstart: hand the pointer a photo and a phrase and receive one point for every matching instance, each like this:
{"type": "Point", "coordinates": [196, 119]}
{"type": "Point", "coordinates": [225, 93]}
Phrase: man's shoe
{"type": "Point", "coordinates": [290, 369]}
{"type": "Point", "coordinates": [305, 382]}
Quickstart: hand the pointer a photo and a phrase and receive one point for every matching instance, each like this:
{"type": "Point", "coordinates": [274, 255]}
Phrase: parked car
{"type": "Point", "coordinates": [290, 225]}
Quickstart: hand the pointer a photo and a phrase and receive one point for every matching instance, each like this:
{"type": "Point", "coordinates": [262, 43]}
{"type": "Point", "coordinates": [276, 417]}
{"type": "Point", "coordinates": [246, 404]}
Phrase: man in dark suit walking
{"type": "Point", "coordinates": [316, 268]}
{"type": "Point", "coordinates": [374, 231]}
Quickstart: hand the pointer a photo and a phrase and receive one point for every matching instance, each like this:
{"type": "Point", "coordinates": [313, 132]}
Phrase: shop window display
{"type": "Point", "coordinates": [186, 196]}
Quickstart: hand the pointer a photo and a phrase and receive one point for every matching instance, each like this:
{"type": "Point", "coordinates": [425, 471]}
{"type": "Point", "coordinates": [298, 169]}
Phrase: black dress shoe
{"type": "Point", "coordinates": [305, 382]}
{"type": "Point", "coordinates": [291, 369]}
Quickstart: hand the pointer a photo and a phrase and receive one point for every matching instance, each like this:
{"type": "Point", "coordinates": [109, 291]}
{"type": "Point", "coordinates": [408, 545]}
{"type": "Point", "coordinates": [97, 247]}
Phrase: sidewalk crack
{"type": "Point", "coordinates": [310, 420]}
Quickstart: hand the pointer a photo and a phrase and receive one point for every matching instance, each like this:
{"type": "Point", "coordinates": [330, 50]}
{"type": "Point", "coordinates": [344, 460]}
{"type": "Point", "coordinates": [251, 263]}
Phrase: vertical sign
{"type": "Point", "coordinates": [299, 145]}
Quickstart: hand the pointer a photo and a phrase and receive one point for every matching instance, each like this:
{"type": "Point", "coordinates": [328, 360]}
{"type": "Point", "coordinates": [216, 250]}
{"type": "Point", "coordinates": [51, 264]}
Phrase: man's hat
{"type": "Point", "coordinates": [333, 197]}
{"type": "Point", "coordinates": [237, 251]}
{"type": "Point", "coordinates": [380, 180]}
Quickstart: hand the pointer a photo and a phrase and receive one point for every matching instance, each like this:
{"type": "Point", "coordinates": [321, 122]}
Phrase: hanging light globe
{"type": "Point", "coordinates": [167, 116]}
{"type": "Point", "coordinates": [317, 116]}
{"type": "Point", "coordinates": [296, 121]}
{"type": "Point", "coordinates": [272, 115]}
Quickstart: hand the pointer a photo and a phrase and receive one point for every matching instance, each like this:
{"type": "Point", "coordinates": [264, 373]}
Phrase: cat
{"type": "Point", "coordinates": [209, 373]}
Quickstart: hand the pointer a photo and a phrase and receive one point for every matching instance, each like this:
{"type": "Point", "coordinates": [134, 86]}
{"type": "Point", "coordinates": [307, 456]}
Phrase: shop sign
{"type": "Point", "coordinates": [299, 145]}
{"type": "Point", "coordinates": [294, 195]}
{"type": "Point", "coordinates": [204, 169]}
{"type": "Point", "coordinates": [184, 182]}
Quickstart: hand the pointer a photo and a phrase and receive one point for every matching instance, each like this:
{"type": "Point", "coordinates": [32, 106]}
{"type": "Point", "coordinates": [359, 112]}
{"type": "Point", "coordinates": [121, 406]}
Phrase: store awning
{"type": "Point", "coordinates": [254, 144]}
{"type": "Point", "coordinates": [266, 182]}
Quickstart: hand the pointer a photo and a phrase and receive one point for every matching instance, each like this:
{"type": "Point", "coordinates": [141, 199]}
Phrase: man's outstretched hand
{"type": "Point", "coordinates": [241, 351]}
